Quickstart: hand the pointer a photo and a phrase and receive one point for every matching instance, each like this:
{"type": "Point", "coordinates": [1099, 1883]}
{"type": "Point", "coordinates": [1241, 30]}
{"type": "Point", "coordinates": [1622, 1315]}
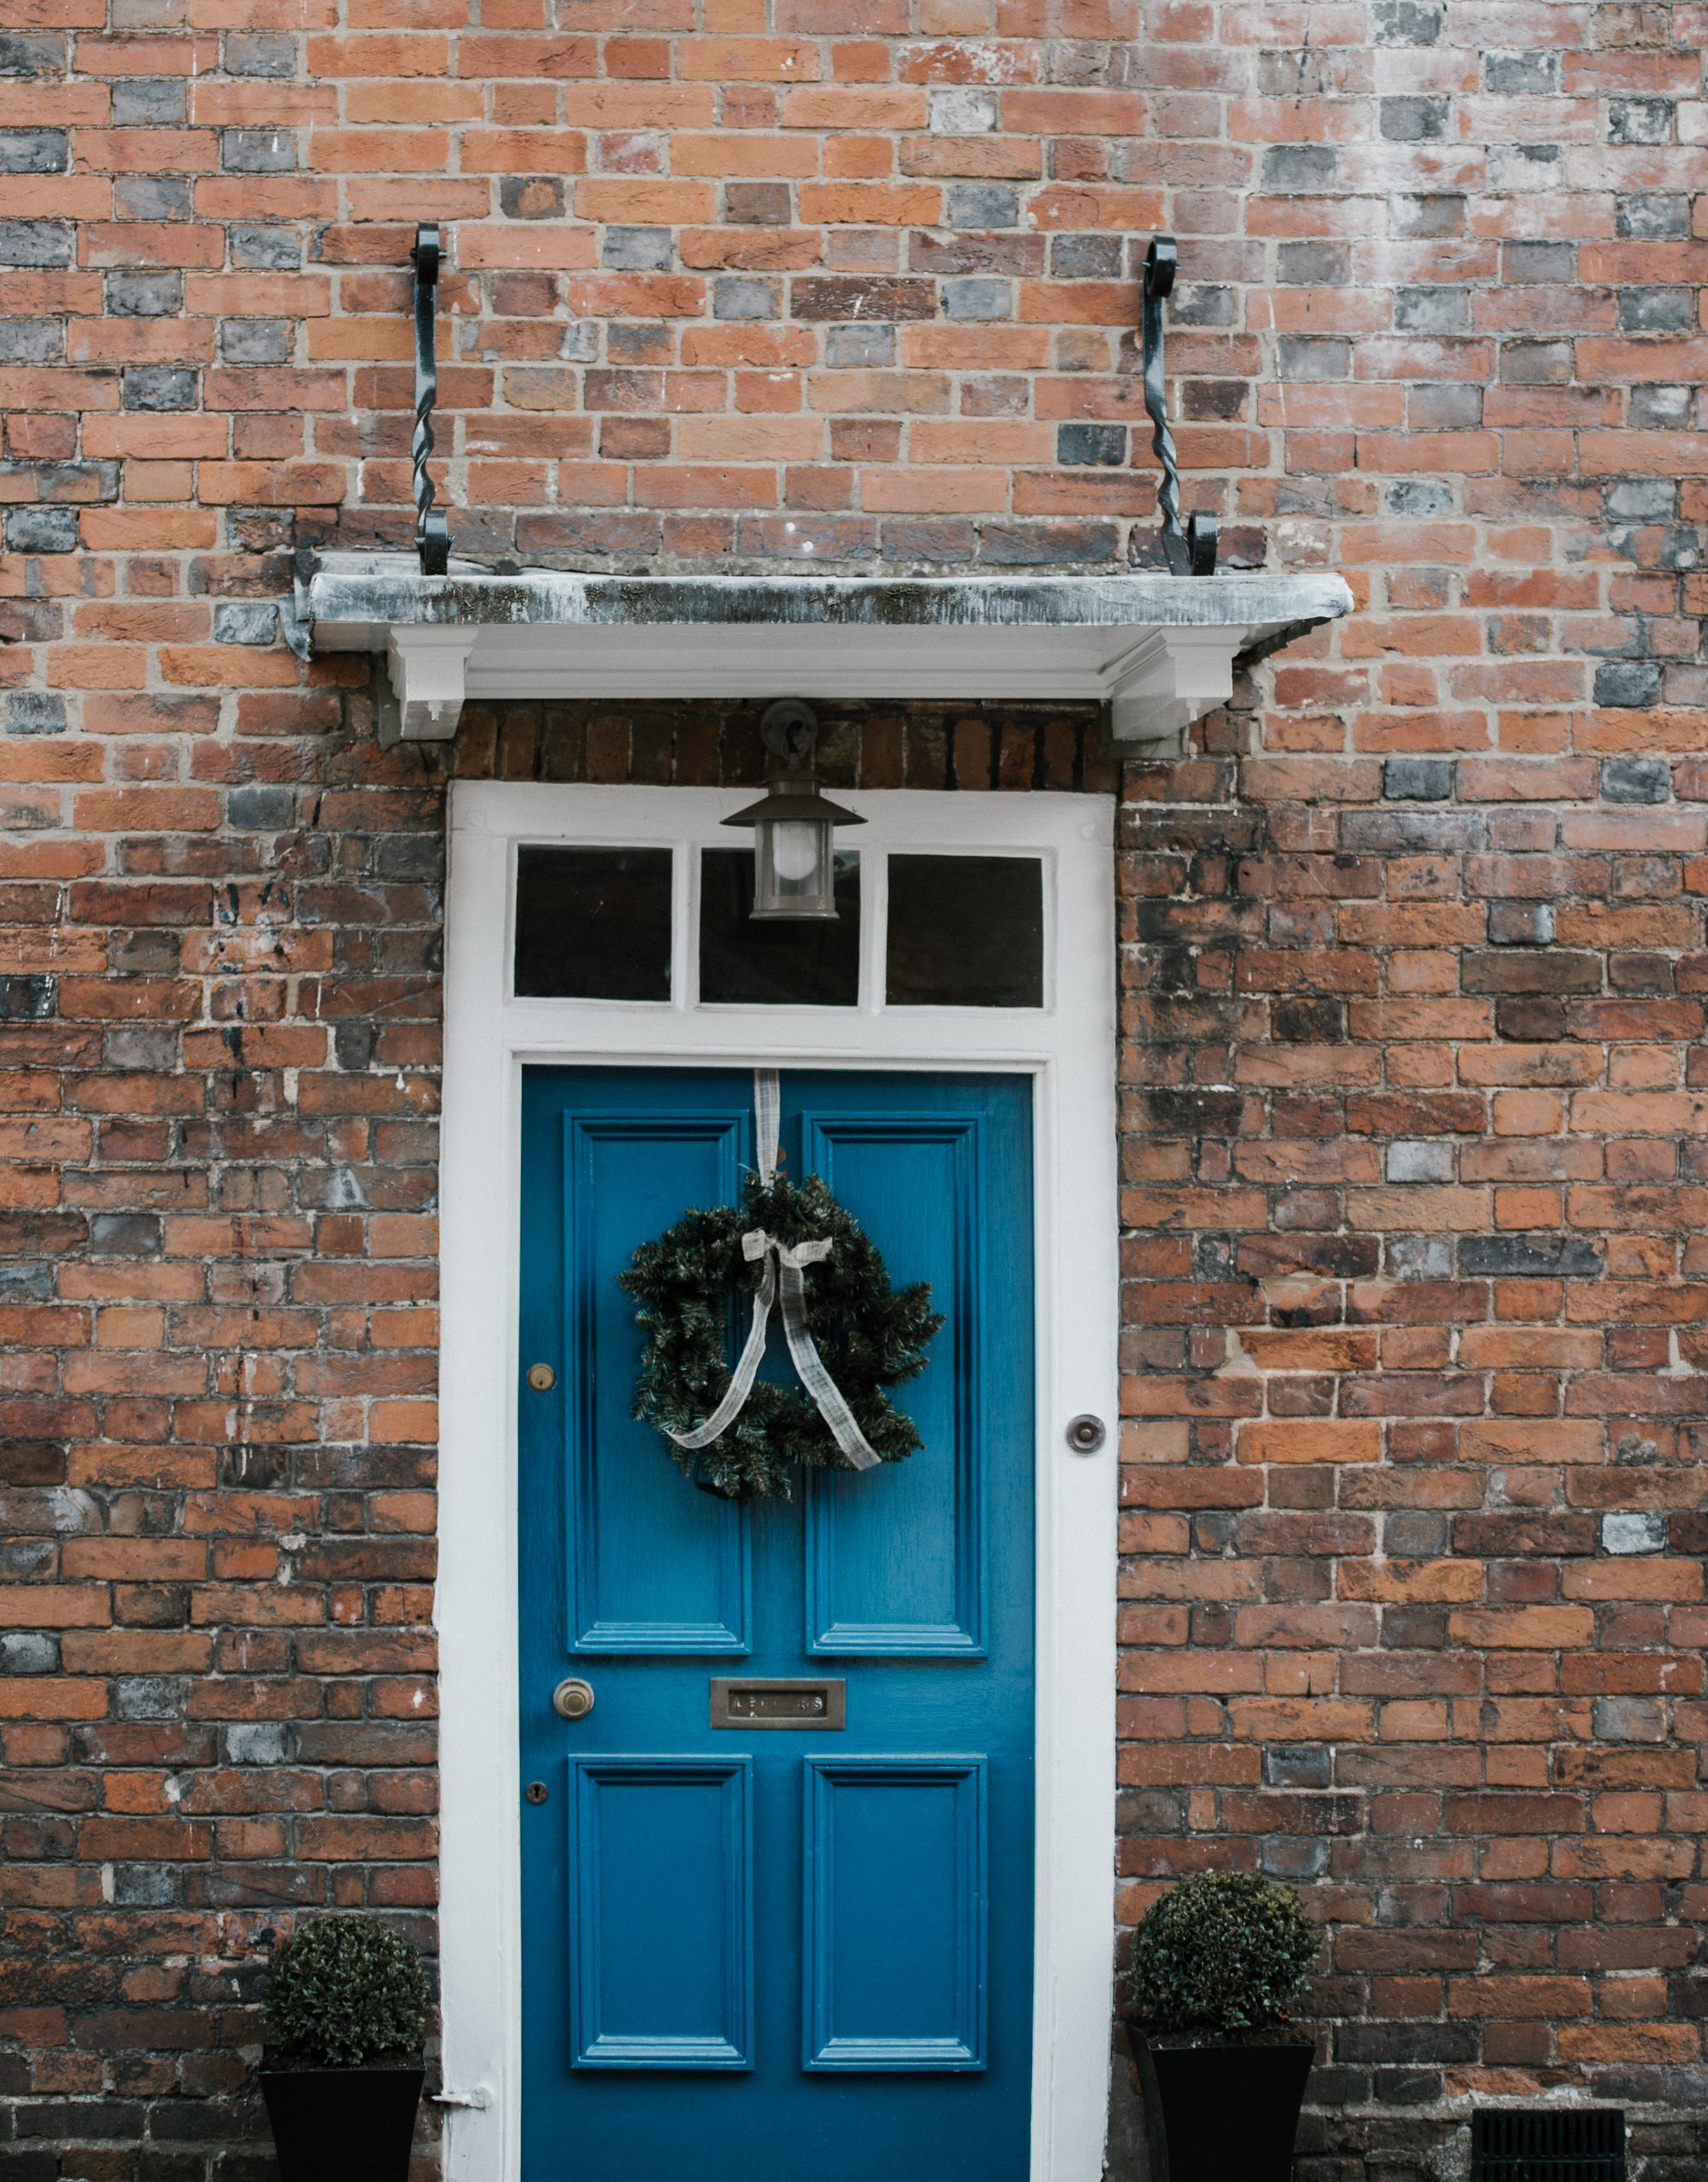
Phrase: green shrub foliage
{"type": "Point", "coordinates": [1222, 1953]}
{"type": "Point", "coordinates": [342, 1990]}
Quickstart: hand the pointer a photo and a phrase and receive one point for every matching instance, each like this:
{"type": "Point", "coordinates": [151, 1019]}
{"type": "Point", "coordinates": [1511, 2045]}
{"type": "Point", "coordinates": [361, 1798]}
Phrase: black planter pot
{"type": "Point", "coordinates": [343, 2124]}
{"type": "Point", "coordinates": [1221, 2113]}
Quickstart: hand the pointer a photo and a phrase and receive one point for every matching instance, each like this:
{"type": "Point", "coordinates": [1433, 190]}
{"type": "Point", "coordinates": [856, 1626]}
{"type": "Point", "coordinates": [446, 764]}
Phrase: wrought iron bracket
{"type": "Point", "coordinates": [432, 532]}
{"type": "Point", "coordinates": [1190, 551]}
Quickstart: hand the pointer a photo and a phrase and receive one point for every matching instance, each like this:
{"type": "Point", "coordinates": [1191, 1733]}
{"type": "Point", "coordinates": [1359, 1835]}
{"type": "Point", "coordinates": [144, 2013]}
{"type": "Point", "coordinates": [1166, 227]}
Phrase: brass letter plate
{"type": "Point", "coordinates": [761, 1704]}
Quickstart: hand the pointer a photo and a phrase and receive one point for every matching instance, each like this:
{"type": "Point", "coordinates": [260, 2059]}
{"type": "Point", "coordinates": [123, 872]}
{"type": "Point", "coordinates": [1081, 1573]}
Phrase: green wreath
{"type": "Point", "coordinates": [871, 1338]}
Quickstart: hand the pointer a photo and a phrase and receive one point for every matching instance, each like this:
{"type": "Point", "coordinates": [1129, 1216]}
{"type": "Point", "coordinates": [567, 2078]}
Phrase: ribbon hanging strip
{"type": "Point", "coordinates": [781, 1281]}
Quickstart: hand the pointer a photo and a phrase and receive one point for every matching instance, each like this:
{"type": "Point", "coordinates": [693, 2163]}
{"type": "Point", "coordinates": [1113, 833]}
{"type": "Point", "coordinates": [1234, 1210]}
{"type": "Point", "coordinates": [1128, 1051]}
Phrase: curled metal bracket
{"type": "Point", "coordinates": [432, 532]}
{"type": "Point", "coordinates": [1190, 551]}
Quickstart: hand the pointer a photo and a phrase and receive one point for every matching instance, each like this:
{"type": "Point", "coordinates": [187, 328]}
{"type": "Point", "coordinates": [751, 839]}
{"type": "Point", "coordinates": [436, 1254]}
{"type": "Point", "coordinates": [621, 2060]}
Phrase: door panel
{"type": "Point", "coordinates": [660, 1856]}
{"type": "Point", "coordinates": [800, 1955]}
{"type": "Point", "coordinates": [903, 1573]}
{"type": "Point", "coordinates": [895, 1913]}
{"type": "Point", "coordinates": [656, 1569]}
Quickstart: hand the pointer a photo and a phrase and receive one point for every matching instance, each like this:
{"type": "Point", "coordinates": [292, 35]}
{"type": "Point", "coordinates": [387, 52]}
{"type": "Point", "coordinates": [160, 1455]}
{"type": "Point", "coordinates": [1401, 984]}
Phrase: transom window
{"type": "Point", "coordinates": [669, 925]}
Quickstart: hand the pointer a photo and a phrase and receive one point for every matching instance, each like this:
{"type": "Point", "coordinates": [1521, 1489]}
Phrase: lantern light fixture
{"type": "Point", "coordinates": [794, 856]}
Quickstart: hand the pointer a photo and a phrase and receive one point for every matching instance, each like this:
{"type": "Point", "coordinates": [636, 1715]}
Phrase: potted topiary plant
{"type": "Point", "coordinates": [345, 2006]}
{"type": "Point", "coordinates": [1217, 1962]}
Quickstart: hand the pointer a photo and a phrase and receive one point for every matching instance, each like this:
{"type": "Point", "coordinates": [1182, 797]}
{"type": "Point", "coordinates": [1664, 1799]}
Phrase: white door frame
{"type": "Point", "coordinates": [1067, 1048]}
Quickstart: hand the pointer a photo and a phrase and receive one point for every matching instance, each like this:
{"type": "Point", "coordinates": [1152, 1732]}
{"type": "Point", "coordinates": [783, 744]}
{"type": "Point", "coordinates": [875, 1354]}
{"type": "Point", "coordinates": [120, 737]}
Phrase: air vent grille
{"type": "Point", "coordinates": [1532, 2143]}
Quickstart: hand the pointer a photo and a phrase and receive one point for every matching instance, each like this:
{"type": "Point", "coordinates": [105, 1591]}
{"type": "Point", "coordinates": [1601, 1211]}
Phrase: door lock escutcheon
{"type": "Point", "coordinates": [541, 1377]}
{"type": "Point", "coordinates": [573, 1699]}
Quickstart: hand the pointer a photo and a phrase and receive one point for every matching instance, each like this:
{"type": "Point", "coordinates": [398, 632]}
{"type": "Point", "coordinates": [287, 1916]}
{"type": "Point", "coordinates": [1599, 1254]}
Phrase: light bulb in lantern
{"type": "Point", "coordinates": [794, 851]}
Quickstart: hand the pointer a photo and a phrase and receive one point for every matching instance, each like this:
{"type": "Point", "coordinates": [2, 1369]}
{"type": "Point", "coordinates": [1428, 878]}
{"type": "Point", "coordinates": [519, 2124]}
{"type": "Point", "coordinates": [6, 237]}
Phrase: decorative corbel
{"type": "Point", "coordinates": [427, 669]}
{"type": "Point", "coordinates": [1171, 678]}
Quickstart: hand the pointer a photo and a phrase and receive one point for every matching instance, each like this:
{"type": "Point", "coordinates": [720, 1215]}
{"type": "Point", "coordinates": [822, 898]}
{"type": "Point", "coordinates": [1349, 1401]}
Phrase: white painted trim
{"type": "Point", "coordinates": [1068, 1047]}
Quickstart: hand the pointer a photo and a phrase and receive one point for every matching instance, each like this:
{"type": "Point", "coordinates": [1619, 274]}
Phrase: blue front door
{"type": "Point", "coordinates": [763, 1954]}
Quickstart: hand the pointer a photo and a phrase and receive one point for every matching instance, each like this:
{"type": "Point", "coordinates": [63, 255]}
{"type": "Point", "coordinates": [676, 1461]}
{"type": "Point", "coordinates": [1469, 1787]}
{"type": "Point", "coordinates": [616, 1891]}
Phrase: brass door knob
{"type": "Point", "coordinates": [573, 1699]}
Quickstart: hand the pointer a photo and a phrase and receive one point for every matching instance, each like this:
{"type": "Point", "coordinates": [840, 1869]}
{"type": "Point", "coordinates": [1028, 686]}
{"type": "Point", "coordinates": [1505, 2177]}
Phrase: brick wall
{"type": "Point", "coordinates": [1413, 956]}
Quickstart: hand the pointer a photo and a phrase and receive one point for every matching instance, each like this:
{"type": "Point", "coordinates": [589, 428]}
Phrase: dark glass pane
{"type": "Point", "coordinates": [769, 964]}
{"type": "Point", "coordinates": [592, 924]}
{"type": "Point", "coordinates": [966, 931]}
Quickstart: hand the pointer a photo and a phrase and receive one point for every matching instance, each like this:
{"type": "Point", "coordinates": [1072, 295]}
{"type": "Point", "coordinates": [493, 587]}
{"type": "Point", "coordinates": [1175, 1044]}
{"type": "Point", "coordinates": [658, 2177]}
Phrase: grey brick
{"type": "Point", "coordinates": [1627, 683]}
{"type": "Point", "coordinates": [42, 530]}
{"type": "Point", "coordinates": [1412, 120]}
{"type": "Point", "coordinates": [1103, 444]}
{"type": "Point", "coordinates": [1420, 1159]}
{"type": "Point", "coordinates": [858, 348]}
{"type": "Point", "coordinates": [1660, 408]}
{"type": "Point", "coordinates": [265, 249]}
{"type": "Point", "coordinates": [260, 810]}
{"type": "Point", "coordinates": [26, 1284]}
{"type": "Point", "coordinates": [977, 299]}
{"type": "Point", "coordinates": [250, 52]}
{"type": "Point", "coordinates": [1643, 499]}
{"type": "Point", "coordinates": [1417, 779]}
{"type": "Point", "coordinates": [258, 151]}
{"type": "Point", "coordinates": [1540, 264]}
{"type": "Point", "coordinates": [256, 1742]}
{"type": "Point", "coordinates": [1311, 356]}
{"type": "Point", "coordinates": [1636, 780]}
{"type": "Point", "coordinates": [27, 997]}
{"type": "Point", "coordinates": [1314, 265]}
{"type": "Point", "coordinates": [1519, 167]}
{"type": "Point", "coordinates": [158, 387]}
{"type": "Point", "coordinates": [1446, 406]}
{"type": "Point", "coordinates": [1301, 166]}
{"type": "Point", "coordinates": [1536, 363]}
{"type": "Point", "coordinates": [145, 295]}
{"type": "Point", "coordinates": [580, 343]}
{"type": "Point", "coordinates": [1086, 257]}
{"type": "Point", "coordinates": [149, 1697]}
{"type": "Point", "coordinates": [635, 250]}
{"type": "Point", "coordinates": [1419, 1257]}
{"type": "Point", "coordinates": [33, 151]}
{"type": "Point", "coordinates": [1431, 310]}
{"type": "Point", "coordinates": [1623, 1532]}
{"type": "Point", "coordinates": [1298, 1765]}
{"type": "Point", "coordinates": [30, 340]}
{"type": "Point", "coordinates": [982, 206]}
{"type": "Point", "coordinates": [35, 242]}
{"type": "Point", "coordinates": [740, 296]}
{"type": "Point", "coordinates": [962, 110]}
{"type": "Point", "coordinates": [1520, 923]}
{"type": "Point", "coordinates": [1652, 219]}
{"type": "Point", "coordinates": [41, 53]}
{"type": "Point", "coordinates": [1640, 121]}
{"type": "Point", "coordinates": [1628, 1719]}
{"type": "Point", "coordinates": [147, 1887]}
{"type": "Point", "coordinates": [1427, 218]}
{"type": "Point", "coordinates": [125, 1234]}
{"type": "Point", "coordinates": [1534, 73]}
{"type": "Point", "coordinates": [1656, 310]}
{"type": "Point", "coordinates": [1200, 303]}
{"type": "Point", "coordinates": [1419, 496]}
{"type": "Point", "coordinates": [1408, 22]}
{"type": "Point", "coordinates": [28, 1651]}
{"type": "Point", "coordinates": [152, 196]}
{"type": "Point", "coordinates": [142, 102]}
{"type": "Point", "coordinates": [1549, 1257]}
{"type": "Point", "coordinates": [33, 712]}
{"type": "Point", "coordinates": [1413, 1534]}
{"type": "Point", "coordinates": [245, 621]}
{"type": "Point", "coordinates": [255, 341]}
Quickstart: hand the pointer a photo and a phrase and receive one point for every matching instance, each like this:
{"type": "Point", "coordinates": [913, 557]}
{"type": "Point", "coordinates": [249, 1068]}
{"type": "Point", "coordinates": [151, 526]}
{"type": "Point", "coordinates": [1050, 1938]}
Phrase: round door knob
{"type": "Point", "coordinates": [572, 1699]}
{"type": "Point", "coordinates": [1085, 1433]}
